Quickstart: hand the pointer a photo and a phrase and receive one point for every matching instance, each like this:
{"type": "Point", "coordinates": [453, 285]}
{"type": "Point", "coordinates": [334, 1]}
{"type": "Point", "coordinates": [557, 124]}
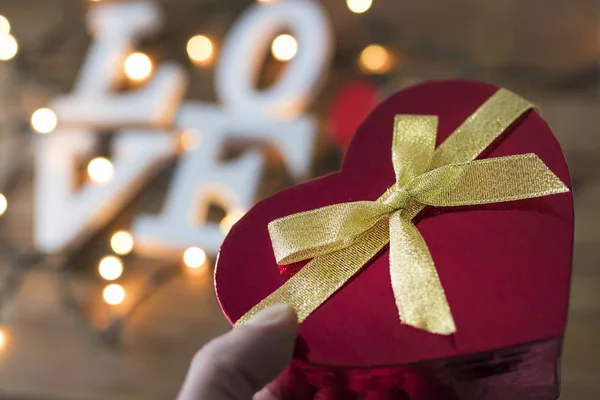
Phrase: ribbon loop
{"type": "Point", "coordinates": [307, 235]}
{"type": "Point", "coordinates": [413, 145]}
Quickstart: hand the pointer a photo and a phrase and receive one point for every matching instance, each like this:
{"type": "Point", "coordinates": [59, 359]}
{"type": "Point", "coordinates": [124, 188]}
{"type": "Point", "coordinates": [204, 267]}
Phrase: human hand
{"type": "Point", "coordinates": [238, 365]}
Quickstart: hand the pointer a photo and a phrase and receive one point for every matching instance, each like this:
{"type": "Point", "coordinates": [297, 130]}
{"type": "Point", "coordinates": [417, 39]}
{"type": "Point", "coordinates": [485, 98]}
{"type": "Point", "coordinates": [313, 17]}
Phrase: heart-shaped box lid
{"type": "Point", "coordinates": [505, 267]}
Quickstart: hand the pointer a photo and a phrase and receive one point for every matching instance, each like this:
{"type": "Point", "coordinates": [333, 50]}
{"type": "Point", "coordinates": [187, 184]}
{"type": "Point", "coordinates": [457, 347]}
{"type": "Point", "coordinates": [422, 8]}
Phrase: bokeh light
{"type": "Point", "coordinates": [359, 6]}
{"type": "Point", "coordinates": [138, 66]}
{"type": "Point", "coordinates": [3, 204]}
{"type": "Point", "coordinates": [44, 120]}
{"type": "Point", "coordinates": [284, 47]}
{"type": "Point", "coordinates": [114, 294]}
{"type": "Point", "coordinates": [110, 268]}
{"type": "Point", "coordinates": [8, 47]}
{"type": "Point", "coordinates": [375, 59]}
{"type": "Point", "coordinates": [200, 49]}
{"type": "Point", "coordinates": [194, 257]}
{"type": "Point", "coordinates": [4, 25]}
{"type": "Point", "coordinates": [122, 243]}
{"type": "Point", "coordinates": [100, 170]}
{"type": "Point", "coordinates": [190, 140]}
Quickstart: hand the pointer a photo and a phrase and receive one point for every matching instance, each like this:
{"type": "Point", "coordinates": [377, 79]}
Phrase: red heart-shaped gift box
{"type": "Point", "coordinates": [505, 269]}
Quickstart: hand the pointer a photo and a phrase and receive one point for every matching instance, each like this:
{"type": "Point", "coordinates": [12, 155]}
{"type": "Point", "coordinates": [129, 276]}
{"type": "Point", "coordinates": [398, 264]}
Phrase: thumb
{"type": "Point", "coordinates": [238, 364]}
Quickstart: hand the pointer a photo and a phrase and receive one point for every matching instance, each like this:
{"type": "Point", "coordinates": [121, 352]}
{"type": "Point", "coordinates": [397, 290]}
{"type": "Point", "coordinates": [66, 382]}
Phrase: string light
{"type": "Point", "coordinates": [2, 339]}
{"type": "Point", "coordinates": [138, 66]}
{"type": "Point", "coordinates": [3, 204]}
{"type": "Point", "coordinates": [265, 1]}
{"type": "Point", "coordinates": [100, 170]}
{"type": "Point", "coordinates": [230, 219]}
{"type": "Point", "coordinates": [200, 49]}
{"type": "Point", "coordinates": [122, 243]}
{"type": "Point", "coordinates": [114, 294]}
{"type": "Point", "coordinates": [8, 46]}
{"type": "Point", "coordinates": [359, 6]}
{"type": "Point", "coordinates": [4, 25]}
{"type": "Point", "coordinates": [284, 47]}
{"type": "Point", "coordinates": [44, 120]}
{"type": "Point", "coordinates": [194, 257]}
{"type": "Point", "coordinates": [110, 268]}
{"type": "Point", "coordinates": [375, 59]}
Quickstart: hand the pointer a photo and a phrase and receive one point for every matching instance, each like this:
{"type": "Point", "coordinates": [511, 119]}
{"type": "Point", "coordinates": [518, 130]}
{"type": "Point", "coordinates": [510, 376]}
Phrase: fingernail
{"type": "Point", "coordinates": [272, 315]}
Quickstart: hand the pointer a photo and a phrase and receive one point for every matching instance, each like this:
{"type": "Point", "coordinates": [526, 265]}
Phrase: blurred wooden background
{"type": "Point", "coordinates": [544, 49]}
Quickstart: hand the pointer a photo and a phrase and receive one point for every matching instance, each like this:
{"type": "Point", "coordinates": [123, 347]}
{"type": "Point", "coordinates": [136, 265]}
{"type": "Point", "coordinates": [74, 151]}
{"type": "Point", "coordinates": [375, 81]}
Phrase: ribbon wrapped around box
{"type": "Point", "coordinates": [434, 264]}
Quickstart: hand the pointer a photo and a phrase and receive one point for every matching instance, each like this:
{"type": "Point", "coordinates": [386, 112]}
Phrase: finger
{"type": "Point", "coordinates": [266, 394]}
{"type": "Point", "coordinates": [238, 364]}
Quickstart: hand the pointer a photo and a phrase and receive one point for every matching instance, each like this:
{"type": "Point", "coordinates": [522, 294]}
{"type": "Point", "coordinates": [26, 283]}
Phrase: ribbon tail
{"type": "Point", "coordinates": [482, 127]}
{"type": "Point", "coordinates": [491, 180]}
{"type": "Point", "coordinates": [323, 276]}
{"type": "Point", "coordinates": [418, 292]}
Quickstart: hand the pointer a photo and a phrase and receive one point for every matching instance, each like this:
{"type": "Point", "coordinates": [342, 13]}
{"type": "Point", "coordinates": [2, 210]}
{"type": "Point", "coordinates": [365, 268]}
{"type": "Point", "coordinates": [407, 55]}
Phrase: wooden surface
{"type": "Point", "coordinates": [48, 355]}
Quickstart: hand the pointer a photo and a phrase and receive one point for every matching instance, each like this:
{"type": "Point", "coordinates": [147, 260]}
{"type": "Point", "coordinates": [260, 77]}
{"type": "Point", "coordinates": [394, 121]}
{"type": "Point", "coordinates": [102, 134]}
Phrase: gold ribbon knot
{"type": "Point", "coordinates": [341, 238]}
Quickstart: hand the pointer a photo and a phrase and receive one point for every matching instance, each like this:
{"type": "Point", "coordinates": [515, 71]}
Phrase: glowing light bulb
{"type": "Point", "coordinates": [230, 219]}
{"type": "Point", "coordinates": [138, 66]}
{"type": "Point", "coordinates": [114, 294]}
{"type": "Point", "coordinates": [284, 47]}
{"type": "Point", "coordinates": [110, 268]}
{"type": "Point", "coordinates": [359, 6]}
{"type": "Point", "coordinates": [194, 257]}
{"type": "Point", "coordinates": [4, 25]}
{"type": "Point", "coordinates": [200, 49]}
{"type": "Point", "coordinates": [375, 59]}
{"type": "Point", "coordinates": [3, 204]}
{"type": "Point", "coordinates": [44, 120]}
{"type": "Point", "coordinates": [8, 46]}
{"type": "Point", "coordinates": [121, 242]}
{"type": "Point", "coordinates": [100, 170]}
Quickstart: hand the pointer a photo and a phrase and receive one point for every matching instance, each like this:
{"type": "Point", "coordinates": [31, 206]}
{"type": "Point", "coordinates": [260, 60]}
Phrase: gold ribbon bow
{"type": "Point", "coordinates": [341, 238]}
